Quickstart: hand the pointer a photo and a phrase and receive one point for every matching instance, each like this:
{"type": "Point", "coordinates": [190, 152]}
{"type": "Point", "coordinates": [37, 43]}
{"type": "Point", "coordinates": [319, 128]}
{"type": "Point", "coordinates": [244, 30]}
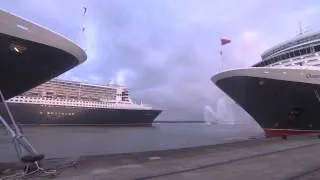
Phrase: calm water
{"type": "Point", "coordinates": [58, 142]}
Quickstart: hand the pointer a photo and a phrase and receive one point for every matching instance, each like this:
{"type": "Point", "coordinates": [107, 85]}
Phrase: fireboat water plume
{"type": "Point", "coordinates": [222, 115]}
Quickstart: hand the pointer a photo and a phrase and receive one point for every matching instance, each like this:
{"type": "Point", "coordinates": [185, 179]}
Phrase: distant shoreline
{"type": "Point", "coordinates": [179, 122]}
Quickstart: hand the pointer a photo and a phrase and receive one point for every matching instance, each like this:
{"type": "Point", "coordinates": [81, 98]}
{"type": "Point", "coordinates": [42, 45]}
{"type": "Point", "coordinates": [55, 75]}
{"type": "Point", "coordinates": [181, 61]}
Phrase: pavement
{"type": "Point", "coordinates": [264, 159]}
{"type": "Point", "coordinates": [75, 141]}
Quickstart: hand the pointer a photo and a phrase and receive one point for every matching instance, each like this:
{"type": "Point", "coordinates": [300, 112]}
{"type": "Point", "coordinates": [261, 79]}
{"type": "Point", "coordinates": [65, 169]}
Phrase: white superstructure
{"type": "Point", "coordinates": [294, 60]}
{"type": "Point", "coordinates": [76, 94]}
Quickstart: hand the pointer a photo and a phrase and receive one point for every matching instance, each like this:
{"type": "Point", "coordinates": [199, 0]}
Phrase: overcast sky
{"type": "Point", "coordinates": [166, 51]}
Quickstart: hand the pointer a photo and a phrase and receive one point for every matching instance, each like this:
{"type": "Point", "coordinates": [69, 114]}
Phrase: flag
{"type": "Point", "coordinates": [225, 41]}
{"type": "Point", "coordinates": [84, 10]}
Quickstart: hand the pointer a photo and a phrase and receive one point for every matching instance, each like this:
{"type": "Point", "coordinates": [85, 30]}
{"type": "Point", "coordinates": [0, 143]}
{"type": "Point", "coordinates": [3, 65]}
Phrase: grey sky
{"type": "Point", "coordinates": [167, 50]}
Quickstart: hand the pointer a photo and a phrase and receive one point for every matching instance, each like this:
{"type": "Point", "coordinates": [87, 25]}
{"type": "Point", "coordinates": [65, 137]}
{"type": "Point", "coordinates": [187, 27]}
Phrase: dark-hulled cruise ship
{"type": "Point", "coordinates": [31, 54]}
{"type": "Point", "coordinates": [282, 92]}
{"type": "Point", "coordinates": [60, 102]}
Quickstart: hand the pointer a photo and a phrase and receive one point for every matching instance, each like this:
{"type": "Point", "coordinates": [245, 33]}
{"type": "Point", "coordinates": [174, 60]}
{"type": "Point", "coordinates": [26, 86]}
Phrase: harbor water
{"type": "Point", "coordinates": [74, 141]}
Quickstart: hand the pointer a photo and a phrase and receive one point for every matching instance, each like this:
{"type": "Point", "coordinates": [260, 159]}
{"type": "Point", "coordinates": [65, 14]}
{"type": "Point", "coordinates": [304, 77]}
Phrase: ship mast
{"type": "Point", "coordinates": [302, 30]}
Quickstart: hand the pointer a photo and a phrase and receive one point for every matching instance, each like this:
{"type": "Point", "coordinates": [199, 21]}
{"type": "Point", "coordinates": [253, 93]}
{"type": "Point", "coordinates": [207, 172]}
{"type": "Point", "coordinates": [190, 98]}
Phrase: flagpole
{"type": "Point", "coordinates": [223, 42]}
{"type": "Point", "coordinates": [221, 58]}
{"type": "Point", "coordinates": [81, 34]}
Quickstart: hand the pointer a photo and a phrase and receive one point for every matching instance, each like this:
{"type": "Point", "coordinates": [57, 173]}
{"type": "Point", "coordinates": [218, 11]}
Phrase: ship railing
{"type": "Point", "coordinates": [307, 60]}
{"type": "Point", "coordinates": [79, 103]}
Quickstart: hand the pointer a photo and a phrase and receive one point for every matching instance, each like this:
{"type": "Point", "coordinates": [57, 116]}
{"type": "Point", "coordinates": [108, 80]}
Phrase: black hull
{"type": "Point", "coordinates": [30, 114]}
{"type": "Point", "coordinates": [280, 107]}
{"type": "Point", "coordinates": [31, 55]}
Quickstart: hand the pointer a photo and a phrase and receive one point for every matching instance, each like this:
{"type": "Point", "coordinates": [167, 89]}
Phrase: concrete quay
{"type": "Point", "coordinates": [263, 159]}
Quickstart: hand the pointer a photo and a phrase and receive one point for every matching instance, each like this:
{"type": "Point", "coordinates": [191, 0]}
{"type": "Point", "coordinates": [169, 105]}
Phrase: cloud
{"type": "Point", "coordinates": [95, 78]}
{"type": "Point", "coordinates": [166, 51]}
{"type": "Point", "coordinates": [250, 36]}
{"type": "Point", "coordinates": [74, 78]}
{"type": "Point", "coordinates": [122, 77]}
{"type": "Point", "coordinates": [303, 13]}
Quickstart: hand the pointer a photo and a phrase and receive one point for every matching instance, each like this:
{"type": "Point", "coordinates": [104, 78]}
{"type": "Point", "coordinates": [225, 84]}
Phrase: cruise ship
{"type": "Point", "coordinates": [281, 92]}
{"type": "Point", "coordinates": [29, 56]}
{"type": "Point", "coordinates": [61, 102]}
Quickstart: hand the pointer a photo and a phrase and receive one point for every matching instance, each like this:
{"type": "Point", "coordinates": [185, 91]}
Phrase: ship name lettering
{"type": "Point", "coordinates": [308, 76]}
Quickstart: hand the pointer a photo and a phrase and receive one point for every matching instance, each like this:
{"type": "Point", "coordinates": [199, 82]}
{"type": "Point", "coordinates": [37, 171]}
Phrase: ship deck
{"type": "Point", "coordinates": [270, 158]}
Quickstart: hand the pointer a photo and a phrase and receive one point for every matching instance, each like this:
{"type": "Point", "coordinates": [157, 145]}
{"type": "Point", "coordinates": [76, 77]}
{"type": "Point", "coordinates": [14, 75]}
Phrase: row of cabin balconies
{"type": "Point", "coordinates": [69, 95]}
{"type": "Point", "coordinates": [48, 101]}
{"type": "Point", "coordinates": [52, 92]}
{"type": "Point", "coordinates": [77, 88]}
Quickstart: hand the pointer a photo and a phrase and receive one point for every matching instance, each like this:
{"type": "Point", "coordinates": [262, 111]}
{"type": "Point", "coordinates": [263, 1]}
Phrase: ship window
{"type": "Point", "coordinates": [308, 50]}
{"type": "Point", "coordinates": [19, 48]}
{"type": "Point", "coordinates": [296, 53]}
{"type": "Point", "coordinates": [286, 56]}
{"type": "Point", "coordinates": [291, 54]}
{"type": "Point", "coordinates": [282, 57]}
{"type": "Point", "coordinates": [312, 60]}
{"type": "Point", "coordinates": [264, 63]}
{"type": "Point", "coordinates": [303, 51]}
{"type": "Point", "coordinates": [317, 48]}
{"type": "Point", "coordinates": [34, 94]}
{"type": "Point", "coordinates": [285, 61]}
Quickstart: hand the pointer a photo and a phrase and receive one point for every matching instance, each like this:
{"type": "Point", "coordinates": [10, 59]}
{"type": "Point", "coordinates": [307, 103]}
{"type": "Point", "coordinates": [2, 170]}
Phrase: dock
{"type": "Point", "coordinates": [273, 158]}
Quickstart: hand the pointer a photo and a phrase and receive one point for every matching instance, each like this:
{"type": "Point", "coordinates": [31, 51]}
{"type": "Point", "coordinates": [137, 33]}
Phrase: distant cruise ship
{"type": "Point", "coordinates": [60, 102]}
{"type": "Point", "coordinates": [282, 92]}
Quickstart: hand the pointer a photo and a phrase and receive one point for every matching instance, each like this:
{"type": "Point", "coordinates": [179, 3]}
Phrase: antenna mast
{"type": "Point", "coordinates": [300, 28]}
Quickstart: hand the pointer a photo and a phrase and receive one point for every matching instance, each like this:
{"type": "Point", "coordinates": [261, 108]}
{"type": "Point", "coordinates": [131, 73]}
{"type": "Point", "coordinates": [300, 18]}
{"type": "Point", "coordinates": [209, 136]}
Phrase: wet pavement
{"type": "Point", "coordinates": [274, 158]}
{"type": "Point", "coordinates": [75, 141]}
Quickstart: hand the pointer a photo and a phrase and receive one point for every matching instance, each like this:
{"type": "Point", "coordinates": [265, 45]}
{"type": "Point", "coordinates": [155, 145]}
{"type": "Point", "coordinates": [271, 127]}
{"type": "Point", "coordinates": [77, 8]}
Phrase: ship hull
{"type": "Point", "coordinates": [282, 101]}
{"type": "Point", "coordinates": [31, 55]}
{"type": "Point", "coordinates": [34, 114]}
